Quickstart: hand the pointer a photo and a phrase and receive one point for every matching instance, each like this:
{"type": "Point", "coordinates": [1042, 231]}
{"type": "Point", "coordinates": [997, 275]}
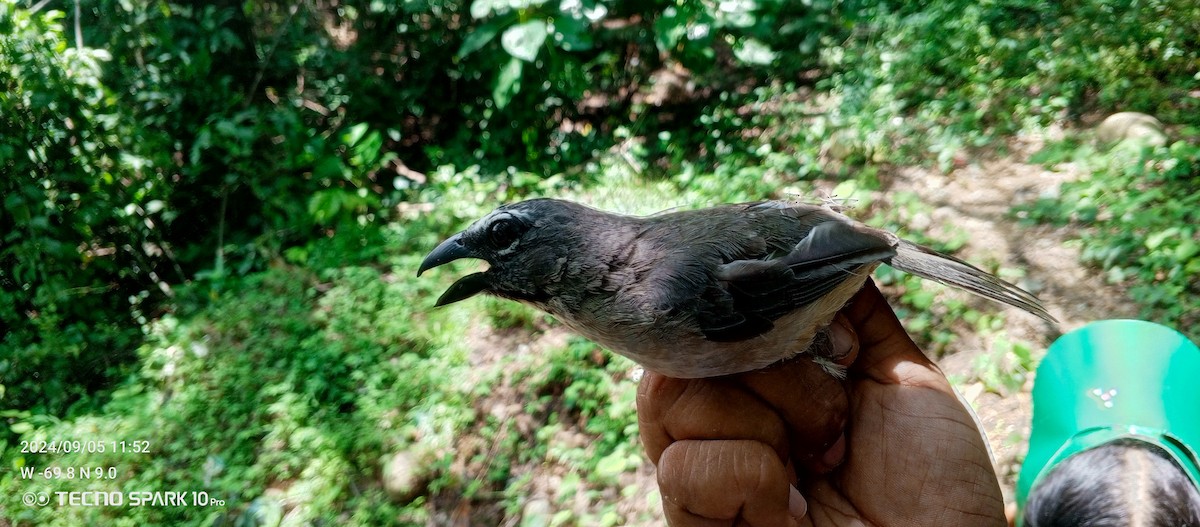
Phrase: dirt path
{"type": "Point", "coordinates": [978, 198]}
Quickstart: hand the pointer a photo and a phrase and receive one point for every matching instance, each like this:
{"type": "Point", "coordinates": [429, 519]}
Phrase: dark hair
{"type": "Point", "coordinates": [1126, 483]}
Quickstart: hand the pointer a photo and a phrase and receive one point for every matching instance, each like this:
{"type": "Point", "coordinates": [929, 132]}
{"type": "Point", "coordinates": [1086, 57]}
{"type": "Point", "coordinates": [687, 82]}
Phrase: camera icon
{"type": "Point", "coordinates": [39, 499]}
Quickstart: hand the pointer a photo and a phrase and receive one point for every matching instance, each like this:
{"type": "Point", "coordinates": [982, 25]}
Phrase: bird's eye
{"type": "Point", "coordinates": [503, 232]}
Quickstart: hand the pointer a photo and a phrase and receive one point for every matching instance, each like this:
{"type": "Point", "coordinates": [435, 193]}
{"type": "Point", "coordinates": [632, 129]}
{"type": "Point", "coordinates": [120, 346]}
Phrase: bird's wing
{"type": "Point", "coordinates": [750, 294]}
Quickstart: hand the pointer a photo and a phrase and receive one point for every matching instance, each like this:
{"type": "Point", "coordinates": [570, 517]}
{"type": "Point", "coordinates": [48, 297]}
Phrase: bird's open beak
{"type": "Point", "coordinates": [467, 286]}
{"type": "Point", "coordinates": [448, 251]}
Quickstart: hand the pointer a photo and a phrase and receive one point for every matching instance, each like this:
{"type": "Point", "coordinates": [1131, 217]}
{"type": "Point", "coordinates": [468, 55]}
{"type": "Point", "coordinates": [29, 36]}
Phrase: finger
{"type": "Point", "coordinates": [811, 403]}
{"type": "Point", "coordinates": [843, 341]}
{"type": "Point", "coordinates": [726, 483]}
{"type": "Point", "coordinates": [676, 409]}
{"type": "Point", "coordinates": [885, 349]}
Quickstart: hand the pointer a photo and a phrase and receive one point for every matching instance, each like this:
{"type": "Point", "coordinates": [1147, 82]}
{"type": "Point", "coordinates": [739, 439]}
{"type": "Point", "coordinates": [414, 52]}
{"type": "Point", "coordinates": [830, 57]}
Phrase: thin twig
{"type": "Point", "coordinates": [78, 28]}
{"type": "Point", "coordinates": [220, 263]}
{"type": "Point", "coordinates": [38, 6]}
{"type": "Point", "coordinates": [262, 65]}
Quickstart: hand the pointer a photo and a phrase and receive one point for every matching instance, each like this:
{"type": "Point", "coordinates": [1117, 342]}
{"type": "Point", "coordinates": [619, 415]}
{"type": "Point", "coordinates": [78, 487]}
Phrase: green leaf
{"type": "Point", "coordinates": [1186, 250]}
{"type": "Point", "coordinates": [15, 205]}
{"type": "Point", "coordinates": [523, 41]}
{"type": "Point", "coordinates": [669, 28]}
{"type": "Point", "coordinates": [508, 83]}
{"type": "Point", "coordinates": [611, 465]}
{"type": "Point", "coordinates": [561, 517]}
{"type": "Point", "coordinates": [484, 34]}
{"type": "Point", "coordinates": [572, 34]}
{"type": "Point", "coordinates": [1155, 240]}
{"type": "Point", "coordinates": [1055, 153]}
{"type": "Point", "coordinates": [330, 168]}
{"type": "Point", "coordinates": [847, 189]}
{"type": "Point", "coordinates": [324, 205]}
{"type": "Point", "coordinates": [753, 51]}
{"type": "Point", "coordinates": [355, 134]}
{"type": "Point", "coordinates": [483, 8]}
{"type": "Point", "coordinates": [920, 298]}
{"type": "Point", "coordinates": [366, 151]}
{"type": "Point", "coordinates": [364, 144]}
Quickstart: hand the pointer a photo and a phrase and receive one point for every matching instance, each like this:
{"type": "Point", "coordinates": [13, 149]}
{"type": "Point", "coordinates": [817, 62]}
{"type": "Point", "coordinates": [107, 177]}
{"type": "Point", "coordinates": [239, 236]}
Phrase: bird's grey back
{"type": "Point", "coordinates": [686, 268]}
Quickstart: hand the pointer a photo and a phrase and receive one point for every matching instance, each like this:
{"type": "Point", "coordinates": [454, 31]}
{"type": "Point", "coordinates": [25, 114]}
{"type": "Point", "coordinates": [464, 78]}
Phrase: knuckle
{"type": "Point", "coordinates": [717, 479]}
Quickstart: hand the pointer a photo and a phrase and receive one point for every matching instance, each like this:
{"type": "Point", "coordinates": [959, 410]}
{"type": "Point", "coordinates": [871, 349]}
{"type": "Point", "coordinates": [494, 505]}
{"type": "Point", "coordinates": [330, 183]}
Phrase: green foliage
{"type": "Point", "coordinates": [117, 155]}
{"type": "Point", "coordinates": [212, 215]}
{"type": "Point", "coordinates": [244, 151]}
{"type": "Point", "coordinates": [583, 387]}
{"type": "Point", "coordinates": [74, 262]}
{"type": "Point", "coordinates": [1006, 367]}
{"type": "Point", "coordinates": [1138, 210]}
{"type": "Point", "coordinates": [562, 74]}
{"type": "Point", "coordinates": [947, 76]}
{"type": "Point", "coordinates": [295, 390]}
{"type": "Point", "coordinates": [506, 314]}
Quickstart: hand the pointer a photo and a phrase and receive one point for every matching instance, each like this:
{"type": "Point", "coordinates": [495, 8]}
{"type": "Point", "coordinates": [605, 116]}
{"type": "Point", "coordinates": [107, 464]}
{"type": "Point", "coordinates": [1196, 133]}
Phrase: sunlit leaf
{"type": "Point", "coordinates": [1186, 250]}
{"type": "Point", "coordinates": [1155, 240]}
{"type": "Point", "coordinates": [483, 8]}
{"type": "Point", "coordinates": [355, 133]}
{"type": "Point", "coordinates": [523, 41]}
{"type": "Point", "coordinates": [508, 83]}
{"type": "Point", "coordinates": [611, 465]}
{"type": "Point", "coordinates": [669, 28]}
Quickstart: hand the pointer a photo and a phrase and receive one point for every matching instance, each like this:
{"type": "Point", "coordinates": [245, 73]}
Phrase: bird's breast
{"type": "Point", "coordinates": [672, 344]}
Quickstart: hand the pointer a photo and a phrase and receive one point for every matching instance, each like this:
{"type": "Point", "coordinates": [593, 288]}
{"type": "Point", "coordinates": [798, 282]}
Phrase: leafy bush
{"type": "Point", "coordinates": [947, 76]}
{"type": "Point", "coordinates": [75, 262]}
{"type": "Point", "coordinates": [1138, 210]}
{"type": "Point", "coordinates": [143, 165]}
{"type": "Point", "coordinates": [212, 214]}
{"type": "Point", "coordinates": [279, 394]}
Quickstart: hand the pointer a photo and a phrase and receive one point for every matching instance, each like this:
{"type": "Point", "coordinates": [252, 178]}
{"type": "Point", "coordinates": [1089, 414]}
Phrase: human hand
{"type": "Point", "coordinates": [892, 445]}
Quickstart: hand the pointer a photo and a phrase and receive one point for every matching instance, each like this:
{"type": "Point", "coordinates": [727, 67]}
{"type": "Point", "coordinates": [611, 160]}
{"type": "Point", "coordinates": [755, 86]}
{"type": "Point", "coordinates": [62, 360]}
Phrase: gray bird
{"type": "Point", "coordinates": [696, 293]}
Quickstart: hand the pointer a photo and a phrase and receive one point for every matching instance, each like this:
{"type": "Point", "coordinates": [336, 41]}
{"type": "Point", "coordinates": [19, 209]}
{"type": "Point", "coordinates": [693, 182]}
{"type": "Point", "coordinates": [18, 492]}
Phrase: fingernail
{"type": "Point", "coordinates": [797, 505]}
{"type": "Point", "coordinates": [840, 339]}
{"type": "Point", "coordinates": [836, 453]}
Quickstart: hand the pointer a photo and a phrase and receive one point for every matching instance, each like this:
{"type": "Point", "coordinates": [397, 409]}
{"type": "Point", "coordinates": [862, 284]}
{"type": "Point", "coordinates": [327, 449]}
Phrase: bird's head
{"type": "Point", "coordinates": [527, 246]}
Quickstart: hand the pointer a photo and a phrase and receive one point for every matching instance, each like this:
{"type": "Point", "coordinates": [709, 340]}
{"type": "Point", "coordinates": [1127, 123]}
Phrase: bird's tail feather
{"type": "Point", "coordinates": [948, 270]}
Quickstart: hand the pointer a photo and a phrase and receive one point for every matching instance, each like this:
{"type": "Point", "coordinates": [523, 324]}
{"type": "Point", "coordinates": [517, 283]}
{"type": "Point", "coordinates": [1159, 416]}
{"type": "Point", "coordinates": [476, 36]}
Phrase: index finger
{"type": "Point", "coordinates": [884, 344]}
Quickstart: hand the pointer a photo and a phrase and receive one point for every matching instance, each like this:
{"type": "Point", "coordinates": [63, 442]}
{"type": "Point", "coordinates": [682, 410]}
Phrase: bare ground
{"type": "Point", "coordinates": [976, 197]}
{"type": "Point", "coordinates": [979, 198]}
